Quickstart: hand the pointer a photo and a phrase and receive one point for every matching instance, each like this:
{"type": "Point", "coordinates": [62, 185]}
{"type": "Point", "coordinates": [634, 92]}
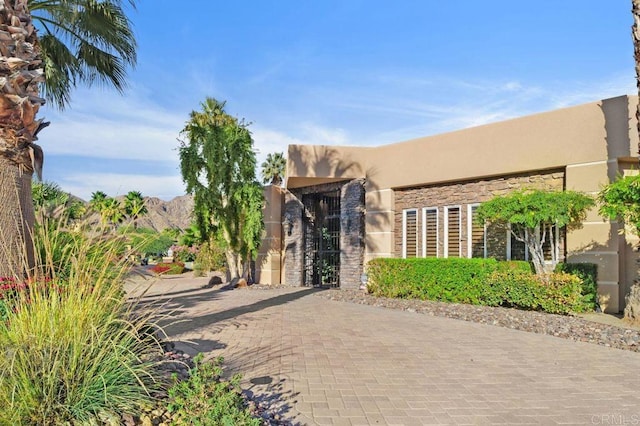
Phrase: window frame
{"type": "Point", "coordinates": [424, 230]}
{"type": "Point", "coordinates": [404, 231]}
{"type": "Point", "coordinates": [446, 229]}
{"type": "Point", "coordinates": [470, 232]}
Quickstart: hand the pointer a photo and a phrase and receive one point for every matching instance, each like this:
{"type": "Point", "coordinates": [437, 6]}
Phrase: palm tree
{"type": "Point", "coordinates": [82, 41]}
{"type": "Point", "coordinates": [97, 200]}
{"type": "Point", "coordinates": [273, 168]}
{"type": "Point", "coordinates": [112, 212]}
{"type": "Point", "coordinates": [635, 33]}
{"type": "Point", "coordinates": [134, 206]}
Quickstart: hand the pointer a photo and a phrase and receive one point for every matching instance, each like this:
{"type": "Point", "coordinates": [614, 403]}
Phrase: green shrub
{"type": "Point", "coordinates": [448, 280]}
{"type": "Point", "coordinates": [150, 242]}
{"type": "Point", "coordinates": [559, 294]}
{"type": "Point", "coordinates": [588, 273]}
{"type": "Point", "coordinates": [69, 351]}
{"type": "Point", "coordinates": [210, 257]}
{"type": "Point", "coordinates": [204, 399]}
{"type": "Point", "coordinates": [475, 281]}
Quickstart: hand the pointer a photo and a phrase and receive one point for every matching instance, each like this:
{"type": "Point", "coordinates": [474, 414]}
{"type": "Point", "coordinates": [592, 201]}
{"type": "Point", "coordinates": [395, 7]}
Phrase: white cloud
{"type": "Point", "coordinates": [107, 125]}
{"type": "Point", "coordinates": [83, 184]}
{"type": "Point", "coordinates": [412, 107]}
{"type": "Point", "coordinates": [270, 140]}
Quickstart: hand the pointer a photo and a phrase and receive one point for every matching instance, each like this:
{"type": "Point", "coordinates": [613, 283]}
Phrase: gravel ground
{"type": "Point", "coordinates": [566, 327]}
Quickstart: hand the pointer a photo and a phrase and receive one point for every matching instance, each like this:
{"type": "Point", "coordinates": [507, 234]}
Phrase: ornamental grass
{"type": "Point", "coordinates": [71, 352]}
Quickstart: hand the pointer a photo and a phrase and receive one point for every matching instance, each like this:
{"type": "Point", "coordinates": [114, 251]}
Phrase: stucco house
{"type": "Point", "coordinates": [343, 206]}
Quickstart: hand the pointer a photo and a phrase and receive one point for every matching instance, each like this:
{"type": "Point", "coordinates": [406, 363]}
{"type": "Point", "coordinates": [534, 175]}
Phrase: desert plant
{"type": "Point", "coordinates": [206, 399]}
{"type": "Point", "coordinates": [71, 352]}
{"type": "Point", "coordinates": [77, 41]}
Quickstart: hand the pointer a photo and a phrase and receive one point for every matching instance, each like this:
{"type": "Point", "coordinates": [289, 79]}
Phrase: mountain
{"type": "Point", "coordinates": [162, 214]}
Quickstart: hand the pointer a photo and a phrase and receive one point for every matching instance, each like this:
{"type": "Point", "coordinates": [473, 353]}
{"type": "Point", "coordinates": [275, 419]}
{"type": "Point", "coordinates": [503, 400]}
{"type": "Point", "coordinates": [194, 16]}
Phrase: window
{"type": "Point", "coordinates": [452, 231]}
{"type": "Point", "coordinates": [517, 250]}
{"type": "Point", "coordinates": [476, 234]}
{"type": "Point", "coordinates": [410, 233]}
{"type": "Point", "coordinates": [430, 232]}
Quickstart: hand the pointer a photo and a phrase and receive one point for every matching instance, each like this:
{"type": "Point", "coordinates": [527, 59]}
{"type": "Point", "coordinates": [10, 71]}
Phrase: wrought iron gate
{"type": "Point", "coordinates": [322, 239]}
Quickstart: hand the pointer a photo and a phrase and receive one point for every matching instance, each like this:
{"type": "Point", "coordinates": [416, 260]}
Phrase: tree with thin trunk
{"type": "Point", "coordinates": [273, 168]}
{"type": "Point", "coordinates": [79, 42]}
{"type": "Point", "coordinates": [218, 165]}
{"type": "Point", "coordinates": [531, 217]}
{"type": "Point", "coordinates": [635, 34]}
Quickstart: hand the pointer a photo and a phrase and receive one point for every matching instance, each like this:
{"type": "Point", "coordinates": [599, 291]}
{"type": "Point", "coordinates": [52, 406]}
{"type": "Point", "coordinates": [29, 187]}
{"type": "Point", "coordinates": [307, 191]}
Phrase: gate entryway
{"type": "Point", "coordinates": [321, 221]}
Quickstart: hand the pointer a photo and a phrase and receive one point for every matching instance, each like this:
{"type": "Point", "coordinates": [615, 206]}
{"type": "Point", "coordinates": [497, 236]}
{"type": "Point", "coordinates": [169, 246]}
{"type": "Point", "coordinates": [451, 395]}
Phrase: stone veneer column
{"type": "Point", "coordinates": [351, 234]}
{"type": "Point", "coordinates": [293, 240]}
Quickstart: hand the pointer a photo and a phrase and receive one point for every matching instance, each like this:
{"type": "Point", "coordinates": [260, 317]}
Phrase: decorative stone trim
{"type": "Point", "coordinates": [463, 193]}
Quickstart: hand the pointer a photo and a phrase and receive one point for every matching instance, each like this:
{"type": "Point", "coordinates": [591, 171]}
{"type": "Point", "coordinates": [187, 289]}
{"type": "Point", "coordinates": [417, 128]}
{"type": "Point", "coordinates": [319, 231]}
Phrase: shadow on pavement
{"type": "Point", "coordinates": [254, 307]}
{"type": "Point", "coordinates": [271, 396]}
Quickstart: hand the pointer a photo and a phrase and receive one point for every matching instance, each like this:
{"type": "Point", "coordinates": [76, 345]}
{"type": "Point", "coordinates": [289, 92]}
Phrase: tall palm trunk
{"type": "Point", "coordinates": [20, 72]}
{"type": "Point", "coordinates": [635, 34]}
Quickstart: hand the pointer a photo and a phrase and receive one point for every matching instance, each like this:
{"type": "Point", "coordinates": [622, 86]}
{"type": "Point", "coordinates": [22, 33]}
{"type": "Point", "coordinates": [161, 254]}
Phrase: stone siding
{"type": "Point", "coordinates": [351, 232]}
{"type": "Point", "coordinates": [293, 238]}
{"type": "Point", "coordinates": [462, 194]}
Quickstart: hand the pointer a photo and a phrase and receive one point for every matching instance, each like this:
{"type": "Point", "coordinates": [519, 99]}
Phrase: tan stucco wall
{"type": "Point", "coordinates": [586, 140]}
{"type": "Point", "coordinates": [268, 261]}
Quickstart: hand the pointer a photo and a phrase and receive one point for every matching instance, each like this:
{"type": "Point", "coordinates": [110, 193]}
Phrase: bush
{"type": "Point", "coordinates": [558, 294]}
{"type": "Point", "coordinates": [69, 351]}
{"type": "Point", "coordinates": [150, 242]}
{"type": "Point", "coordinates": [211, 257]}
{"type": "Point", "coordinates": [448, 280]}
{"type": "Point", "coordinates": [205, 397]}
{"type": "Point", "coordinates": [185, 253]}
{"type": "Point", "coordinates": [588, 273]}
{"type": "Point", "coordinates": [175, 268]}
{"type": "Point", "coordinates": [475, 281]}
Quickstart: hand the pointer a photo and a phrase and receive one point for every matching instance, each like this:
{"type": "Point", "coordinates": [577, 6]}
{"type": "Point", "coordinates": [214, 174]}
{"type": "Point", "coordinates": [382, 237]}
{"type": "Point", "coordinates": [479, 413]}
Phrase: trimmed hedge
{"type": "Point", "coordinates": [561, 294]}
{"type": "Point", "coordinates": [588, 273]}
{"type": "Point", "coordinates": [474, 281]}
{"type": "Point", "coordinates": [456, 280]}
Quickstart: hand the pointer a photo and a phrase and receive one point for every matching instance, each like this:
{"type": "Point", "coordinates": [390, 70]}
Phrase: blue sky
{"type": "Point", "coordinates": [344, 72]}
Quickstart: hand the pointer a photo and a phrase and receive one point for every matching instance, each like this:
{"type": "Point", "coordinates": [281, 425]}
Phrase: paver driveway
{"type": "Point", "coordinates": [323, 362]}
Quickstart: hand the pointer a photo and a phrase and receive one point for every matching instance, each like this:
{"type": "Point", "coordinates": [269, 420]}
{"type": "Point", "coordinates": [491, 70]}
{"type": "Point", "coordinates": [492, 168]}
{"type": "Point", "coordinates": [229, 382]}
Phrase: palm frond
{"type": "Point", "coordinates": [98, 40]}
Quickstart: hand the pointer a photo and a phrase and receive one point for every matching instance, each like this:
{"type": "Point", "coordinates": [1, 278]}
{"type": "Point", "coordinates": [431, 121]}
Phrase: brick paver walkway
{"type": "Point", "coordinates": [323, 362]}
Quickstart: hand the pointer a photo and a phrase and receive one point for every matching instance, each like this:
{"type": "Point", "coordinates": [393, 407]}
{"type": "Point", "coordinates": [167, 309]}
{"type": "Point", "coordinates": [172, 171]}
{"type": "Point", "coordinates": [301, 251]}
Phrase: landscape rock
{"type": "Point", "coordinates": [632, 310]}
